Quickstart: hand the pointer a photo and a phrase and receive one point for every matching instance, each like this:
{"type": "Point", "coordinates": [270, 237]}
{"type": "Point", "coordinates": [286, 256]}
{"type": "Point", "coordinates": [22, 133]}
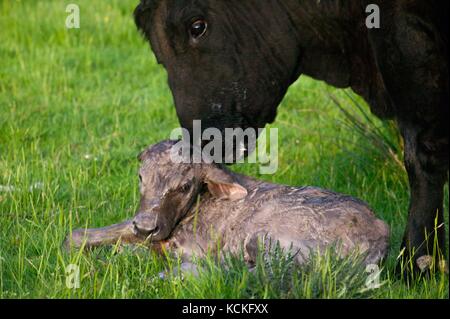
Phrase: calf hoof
{"type": "Point", "coordinates": [74, 240]}
{"type": "Point", "coordinates": [185, 269]}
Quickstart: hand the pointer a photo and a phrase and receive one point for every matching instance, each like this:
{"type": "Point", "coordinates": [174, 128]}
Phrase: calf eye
{"type": "Point", "coordinates": [198, 29]}
{"type": "Point", "coordinates": [185, 188]}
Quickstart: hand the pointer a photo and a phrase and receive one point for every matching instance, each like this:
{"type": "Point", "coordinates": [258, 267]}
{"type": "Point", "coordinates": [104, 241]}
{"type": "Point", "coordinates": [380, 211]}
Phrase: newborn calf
{"type": "Point", "coordinates": [190, 208]}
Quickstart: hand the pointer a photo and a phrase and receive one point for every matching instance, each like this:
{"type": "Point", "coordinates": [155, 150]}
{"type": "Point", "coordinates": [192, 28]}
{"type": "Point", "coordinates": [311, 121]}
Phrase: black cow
{"type": "Point", "coordinates": [230, 63]}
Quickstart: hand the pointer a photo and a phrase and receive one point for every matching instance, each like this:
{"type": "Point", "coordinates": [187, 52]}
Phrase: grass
{"type": "Point", "coordinates": [77, 106]}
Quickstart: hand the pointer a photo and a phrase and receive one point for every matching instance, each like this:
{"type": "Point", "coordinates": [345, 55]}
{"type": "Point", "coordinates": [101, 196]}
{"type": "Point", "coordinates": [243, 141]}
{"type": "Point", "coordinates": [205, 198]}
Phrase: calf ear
{"type": "Point", "coordinates": [142, 155]}
{"type": "Point", "coordinates": [222, 185]}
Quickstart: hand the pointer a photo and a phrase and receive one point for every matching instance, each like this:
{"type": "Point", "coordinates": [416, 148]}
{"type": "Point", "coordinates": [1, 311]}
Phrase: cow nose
{"type": "Point", "coordinates": [145, 224]}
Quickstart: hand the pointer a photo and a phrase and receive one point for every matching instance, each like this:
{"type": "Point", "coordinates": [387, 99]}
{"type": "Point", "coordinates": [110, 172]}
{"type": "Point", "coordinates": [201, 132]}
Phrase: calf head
{"type": "Point", "coordinates": [169, 190]}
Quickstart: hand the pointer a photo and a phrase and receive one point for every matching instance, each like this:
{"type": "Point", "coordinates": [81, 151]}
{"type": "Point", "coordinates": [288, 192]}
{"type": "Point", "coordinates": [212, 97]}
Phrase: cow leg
{"type": "Point", "coordinates": [426, 161]}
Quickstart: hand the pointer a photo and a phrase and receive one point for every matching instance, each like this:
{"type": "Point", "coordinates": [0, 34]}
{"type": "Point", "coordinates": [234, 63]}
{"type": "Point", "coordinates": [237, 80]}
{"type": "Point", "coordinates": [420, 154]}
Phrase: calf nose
{"type": "Point", "coordinates": [145, 224]}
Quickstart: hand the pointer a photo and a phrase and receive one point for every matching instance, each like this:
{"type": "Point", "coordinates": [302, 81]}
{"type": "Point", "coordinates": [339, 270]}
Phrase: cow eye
{"type": "Point", "coordinates": [198, 29]}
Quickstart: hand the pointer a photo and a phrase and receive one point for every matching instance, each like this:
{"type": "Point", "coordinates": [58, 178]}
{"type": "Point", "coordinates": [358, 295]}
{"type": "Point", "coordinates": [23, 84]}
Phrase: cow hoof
{"type": "Point", "coordinates": [426, 263]}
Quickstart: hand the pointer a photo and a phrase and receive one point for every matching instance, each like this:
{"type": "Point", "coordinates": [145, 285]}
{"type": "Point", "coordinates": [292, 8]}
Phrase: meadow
{"type": "Point", "coordinates": [76, 108]}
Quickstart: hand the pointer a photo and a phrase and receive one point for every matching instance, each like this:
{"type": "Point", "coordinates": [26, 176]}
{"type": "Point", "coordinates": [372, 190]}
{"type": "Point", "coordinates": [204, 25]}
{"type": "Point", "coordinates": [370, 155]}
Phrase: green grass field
{"type": "Point", "coordinates": [76, 108]}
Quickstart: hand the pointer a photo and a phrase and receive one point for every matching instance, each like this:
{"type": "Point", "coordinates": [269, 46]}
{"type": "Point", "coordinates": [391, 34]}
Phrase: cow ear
{"type": "Point", "coordinates": [143, 15]}
{"type": "Point", "coordinates": [222, 185]}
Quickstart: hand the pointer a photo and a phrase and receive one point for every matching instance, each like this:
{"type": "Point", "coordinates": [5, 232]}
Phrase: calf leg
{"type": "Point", "coordinates": [426, 161]}
{"type": "Point", "coordinates": [110, 235]}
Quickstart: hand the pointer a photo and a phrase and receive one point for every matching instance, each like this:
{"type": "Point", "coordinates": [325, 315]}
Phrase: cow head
{"type": "Point", "coordinates": [229, 63]}
{"type": "Point", "coordinates": [169, 190]}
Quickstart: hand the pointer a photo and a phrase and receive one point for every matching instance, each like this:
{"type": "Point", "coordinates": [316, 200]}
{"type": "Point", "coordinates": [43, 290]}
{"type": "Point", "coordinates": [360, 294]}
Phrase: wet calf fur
{"type": "Point", "coordinates": [187, 208]}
